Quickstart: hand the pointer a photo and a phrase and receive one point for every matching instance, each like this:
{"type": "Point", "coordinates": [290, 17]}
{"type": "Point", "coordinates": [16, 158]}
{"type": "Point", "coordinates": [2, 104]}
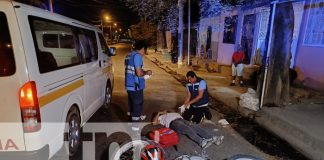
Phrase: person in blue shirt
{"type": "Point", "coordinates": [196, 103]}
{"type": "Point", "coordinates": [134, 80]}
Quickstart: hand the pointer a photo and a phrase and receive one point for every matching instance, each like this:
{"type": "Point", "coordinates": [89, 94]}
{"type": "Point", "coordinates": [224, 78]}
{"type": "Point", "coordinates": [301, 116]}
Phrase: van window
{"type": "Point", "coordinates": [88, 45]}
{"type": "Point", "coordinates": [7, 61]}
{"type": "Point", "coordinates": [50, 40]}
{"type": "Point", "coordinates": [103, 43]}
{"type": "Point", "coordinates": [66, 41]}
{"type": "Point", "coordinates": [55, 44]}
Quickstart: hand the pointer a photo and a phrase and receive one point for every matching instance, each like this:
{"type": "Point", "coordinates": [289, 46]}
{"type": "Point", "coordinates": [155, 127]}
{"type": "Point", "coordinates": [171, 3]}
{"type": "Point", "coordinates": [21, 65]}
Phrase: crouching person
{"type": "Point", "coordinates": [196, 103]}
{"type": "Point", "coordinates": [197, 134]}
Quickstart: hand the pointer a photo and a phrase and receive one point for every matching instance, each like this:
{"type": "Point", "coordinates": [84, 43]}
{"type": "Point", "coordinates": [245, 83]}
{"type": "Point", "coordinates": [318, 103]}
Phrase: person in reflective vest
{"type": "Point", "coordinates": [197, 99]}
{"type": "Point", "coordinates": [134, 80]}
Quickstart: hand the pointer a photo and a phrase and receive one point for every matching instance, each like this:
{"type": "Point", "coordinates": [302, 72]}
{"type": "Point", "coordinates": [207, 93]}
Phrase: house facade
{"type": "Point", "coordinates": [247, 26]}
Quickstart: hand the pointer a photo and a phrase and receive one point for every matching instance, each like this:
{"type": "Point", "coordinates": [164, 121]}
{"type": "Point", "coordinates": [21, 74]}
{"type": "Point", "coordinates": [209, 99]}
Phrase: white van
{"type": "Point", "coordinates": [53, 69]}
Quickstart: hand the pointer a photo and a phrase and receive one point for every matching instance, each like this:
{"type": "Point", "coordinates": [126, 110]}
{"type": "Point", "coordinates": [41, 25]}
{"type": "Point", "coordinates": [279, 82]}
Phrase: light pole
{"type": "Point", "coordinates": [107, 18]}
{"type": "Point", "coordinates": [268, 52]}
{"type": "Point", "coordinates": [51, 6]}
{"type": "Point", "coordinates": [180, 32]}
{"type": "Point", "coordinates": [101, 25]}
{"type": "Point", "coordinates": [111, 37]}
{"type": "Point", "coordinates": [189, 25]}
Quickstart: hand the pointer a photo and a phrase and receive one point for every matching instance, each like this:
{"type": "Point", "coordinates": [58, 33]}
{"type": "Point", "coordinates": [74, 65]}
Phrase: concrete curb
{"type": "Point", "coordinates": [310, 146]}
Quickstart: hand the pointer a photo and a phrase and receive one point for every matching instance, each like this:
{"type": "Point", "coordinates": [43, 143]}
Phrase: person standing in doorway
{"type": "Point", "coordinates": [135, 82]}
{"type": "Point", "coordinates": [237, 65]}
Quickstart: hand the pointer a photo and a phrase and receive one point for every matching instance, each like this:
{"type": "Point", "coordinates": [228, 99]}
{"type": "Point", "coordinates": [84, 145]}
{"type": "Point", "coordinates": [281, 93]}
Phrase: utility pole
{"type": "Point", "coordinates": [51, 5]}
{"type": "Point", "coordinates": [268, 53]}
{"type": "Point", "coordinates": [110, 34]}
{"type": "Point", "coordinates": [102, 25]}
{"type": "Point", "coordinates": [189, 25]}
{"type": "Point", "coordinates": [180, 32]}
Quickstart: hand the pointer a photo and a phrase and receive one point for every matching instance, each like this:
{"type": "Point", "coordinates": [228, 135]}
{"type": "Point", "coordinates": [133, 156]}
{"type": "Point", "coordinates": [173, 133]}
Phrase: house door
{"type": "Point", "coordinates": [208, 44]}
{"type": "Point", "coordinates": [247, 36]}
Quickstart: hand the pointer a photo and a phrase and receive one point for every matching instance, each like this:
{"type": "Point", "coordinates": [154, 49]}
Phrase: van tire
{"type": "Point", "coordinates": [108, 96]}
{"type": "Point", "coordinates": [73, 130]}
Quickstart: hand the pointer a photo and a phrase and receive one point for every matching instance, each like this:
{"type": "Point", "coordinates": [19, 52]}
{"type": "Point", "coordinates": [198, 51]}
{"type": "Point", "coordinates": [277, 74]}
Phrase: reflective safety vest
{"type": "Point", "coordinates": [194, 91]}
{"type": "Point", "coordinates": [132, 82]}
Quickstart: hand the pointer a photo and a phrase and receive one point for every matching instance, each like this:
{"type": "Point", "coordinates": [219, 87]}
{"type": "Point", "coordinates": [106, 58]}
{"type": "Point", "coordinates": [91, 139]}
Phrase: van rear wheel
{"type": "Point", "coordinates": [73, 131]}
{"type": "Point", "coordinates": [108, 96]}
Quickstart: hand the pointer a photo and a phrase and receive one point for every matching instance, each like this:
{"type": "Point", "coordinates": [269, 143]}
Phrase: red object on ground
{"type": "Point", "coordinates": [166, 137]}
{"type": "Point", "coordinates": [152, 152]}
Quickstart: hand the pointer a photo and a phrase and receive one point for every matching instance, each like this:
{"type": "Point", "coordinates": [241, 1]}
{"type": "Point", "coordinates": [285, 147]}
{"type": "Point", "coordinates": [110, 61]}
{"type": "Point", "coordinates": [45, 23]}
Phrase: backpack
{"type": "Point", "coordinates": [166, 137]}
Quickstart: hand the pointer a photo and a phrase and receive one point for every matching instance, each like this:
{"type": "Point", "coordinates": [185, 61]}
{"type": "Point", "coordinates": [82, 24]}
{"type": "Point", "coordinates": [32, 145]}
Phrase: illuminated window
{"type": "Point", "coordinates": [314, 34]}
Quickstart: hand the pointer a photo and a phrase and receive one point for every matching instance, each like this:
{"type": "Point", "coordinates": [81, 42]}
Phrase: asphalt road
{"type": "Point", "coordinates": [162, 92]}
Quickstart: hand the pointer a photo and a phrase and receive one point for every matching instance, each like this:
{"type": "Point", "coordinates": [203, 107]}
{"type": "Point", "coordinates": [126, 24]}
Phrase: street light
{"type": "Point", "coordinates": [111, 34]}
{"type": "Point", "coordinates": [106, 18]}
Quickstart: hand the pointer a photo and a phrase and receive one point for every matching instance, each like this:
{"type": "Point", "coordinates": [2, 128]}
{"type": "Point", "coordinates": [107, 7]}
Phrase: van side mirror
{"type": "Point", "coordinates": [112, 51]}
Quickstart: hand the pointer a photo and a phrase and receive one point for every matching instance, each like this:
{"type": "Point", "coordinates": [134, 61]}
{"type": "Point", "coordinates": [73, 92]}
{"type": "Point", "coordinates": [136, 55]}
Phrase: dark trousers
{"type": "Point", "coordinates": [195, 114]}
{"type": "Point", "coordinates": [135, 104]}
{"type": "Point", "coordinates": [193, 131]}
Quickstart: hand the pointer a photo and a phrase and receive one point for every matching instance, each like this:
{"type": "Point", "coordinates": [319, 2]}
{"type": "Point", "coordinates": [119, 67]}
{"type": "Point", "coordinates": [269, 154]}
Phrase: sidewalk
{"type": "Point", "coordinates": [301, 125]}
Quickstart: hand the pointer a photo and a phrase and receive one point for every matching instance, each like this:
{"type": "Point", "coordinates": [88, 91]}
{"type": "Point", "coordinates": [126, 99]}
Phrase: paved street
{"type": "Point", "coordinates": [62, 77]}
{"type": "Point", "coordinates": [162, 92]}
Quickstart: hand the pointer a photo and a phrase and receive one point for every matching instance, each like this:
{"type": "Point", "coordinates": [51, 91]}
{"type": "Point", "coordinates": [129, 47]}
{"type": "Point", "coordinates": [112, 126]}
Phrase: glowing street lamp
{"type": "Point", "coordinates": [106, 18]}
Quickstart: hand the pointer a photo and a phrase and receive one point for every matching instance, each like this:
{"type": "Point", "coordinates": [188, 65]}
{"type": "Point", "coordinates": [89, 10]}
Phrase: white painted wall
{"type": "Point", "coordinates": [309, 59]}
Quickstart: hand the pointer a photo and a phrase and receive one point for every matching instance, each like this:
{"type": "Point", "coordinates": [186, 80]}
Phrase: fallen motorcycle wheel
{"type": "Point", "coordinates": [243, 157]}
{"type": "Point", "coordinates": [130, 150]}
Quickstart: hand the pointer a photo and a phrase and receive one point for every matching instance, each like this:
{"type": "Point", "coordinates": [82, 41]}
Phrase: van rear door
{"type": "Point", "coordinates": [13, 74]}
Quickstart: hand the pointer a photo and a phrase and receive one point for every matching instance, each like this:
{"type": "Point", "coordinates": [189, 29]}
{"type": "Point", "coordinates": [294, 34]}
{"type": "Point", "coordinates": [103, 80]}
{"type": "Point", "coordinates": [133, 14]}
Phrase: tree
{"type": "Point", "coordinates": [143, 30]}
{"type": "Point", "coordinates": [210, 8]}
{"type": "Point", "coordinates": [277, 80]}
{"type": "Point", "coordinates": [171, 19]}
{"type": "Point", "coordinates": [157, 12]}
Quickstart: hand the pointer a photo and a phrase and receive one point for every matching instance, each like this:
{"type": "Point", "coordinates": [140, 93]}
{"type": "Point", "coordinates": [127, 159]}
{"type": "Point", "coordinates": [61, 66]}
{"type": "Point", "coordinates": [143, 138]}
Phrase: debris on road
{"type": "Point", "coordinates": [250, 100]}
{"type": "Point", "coordinates": [223, 122]}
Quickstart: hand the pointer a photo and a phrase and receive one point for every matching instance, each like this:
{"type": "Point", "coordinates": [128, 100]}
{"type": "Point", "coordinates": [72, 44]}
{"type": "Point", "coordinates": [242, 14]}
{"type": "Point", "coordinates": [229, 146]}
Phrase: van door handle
{"type": "Point", "coordinates": [104, 62]}
{"type": "Point", "coordinates": [99, 63]}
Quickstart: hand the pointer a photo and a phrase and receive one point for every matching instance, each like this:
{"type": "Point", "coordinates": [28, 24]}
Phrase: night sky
{"type": "Point", "coordinates": [90, 11]}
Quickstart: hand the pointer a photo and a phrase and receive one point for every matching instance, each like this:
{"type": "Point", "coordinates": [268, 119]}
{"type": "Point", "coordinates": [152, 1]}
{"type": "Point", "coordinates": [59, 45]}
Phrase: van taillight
{"type": "Point", "coordinates": [29, 106]}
